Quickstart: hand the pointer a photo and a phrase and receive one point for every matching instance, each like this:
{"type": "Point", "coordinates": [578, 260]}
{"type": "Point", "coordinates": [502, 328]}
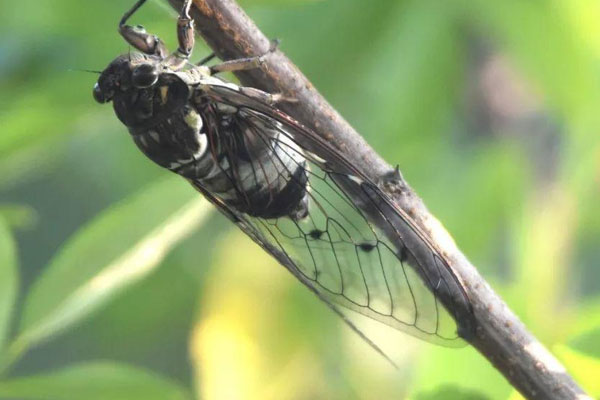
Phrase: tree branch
{"type": "Point", "coordinates": [499, 335]}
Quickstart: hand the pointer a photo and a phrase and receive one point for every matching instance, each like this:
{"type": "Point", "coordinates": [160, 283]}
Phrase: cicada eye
{"type": "Point", "coordinates": [144, 76]}
{"type": "Point", "coordinates": [99, 94]}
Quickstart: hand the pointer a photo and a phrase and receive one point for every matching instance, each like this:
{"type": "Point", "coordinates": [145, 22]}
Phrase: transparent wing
{"type": "Point", "coordinates": [337, 251]}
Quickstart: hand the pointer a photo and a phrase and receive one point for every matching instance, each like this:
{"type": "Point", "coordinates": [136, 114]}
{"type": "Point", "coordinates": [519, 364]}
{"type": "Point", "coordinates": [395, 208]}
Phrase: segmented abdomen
{"type": "Point", "coordinates": [238, 159]}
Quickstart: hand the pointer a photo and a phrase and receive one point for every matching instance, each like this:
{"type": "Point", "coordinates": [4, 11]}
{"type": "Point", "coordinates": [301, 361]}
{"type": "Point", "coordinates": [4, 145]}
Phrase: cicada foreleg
{"type": "Point", "coordinates": [206, 59]}
{"type": "Point", "coordinates": [185, 38]}
{"type": "Point", "coordinates": [138, 37]}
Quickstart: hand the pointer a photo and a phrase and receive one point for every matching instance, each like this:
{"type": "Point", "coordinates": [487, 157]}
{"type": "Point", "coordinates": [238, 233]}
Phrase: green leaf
{"type": "Point", "coordinates": [451, 392]}
{"type": "Point", "coordinates": [9, 280]}
{"type": "Point", "coordinates": [433, 373]}
{"type": "Point", "coordinates": [94, 381]}
{"type": "Point", "coordinates": [417, 92]}
{"type": "Point", "coordinates": [583, 333]}
{"type": "Point", "coordinates": [118, 248]}
{"type": "Point", "coordinates": [19, 216]}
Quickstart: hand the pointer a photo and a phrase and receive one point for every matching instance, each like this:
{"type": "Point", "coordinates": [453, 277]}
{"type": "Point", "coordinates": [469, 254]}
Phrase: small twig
{"type": "Point", "coordinates": [499, 335]}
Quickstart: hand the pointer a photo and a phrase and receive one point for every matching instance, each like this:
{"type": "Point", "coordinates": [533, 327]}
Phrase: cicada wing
{"type": "Point", "coordinates": [338, 252]}
{"type": "Point", "coordinates": [339, 249]}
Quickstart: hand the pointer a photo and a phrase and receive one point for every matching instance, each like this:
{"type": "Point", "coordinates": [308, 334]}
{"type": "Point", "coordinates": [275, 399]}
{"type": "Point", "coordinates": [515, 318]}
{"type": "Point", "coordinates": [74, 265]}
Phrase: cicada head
{"type": "Point", "coordinates": [142, 88]}
{"type": "Point", "coordinates": [125, 72]}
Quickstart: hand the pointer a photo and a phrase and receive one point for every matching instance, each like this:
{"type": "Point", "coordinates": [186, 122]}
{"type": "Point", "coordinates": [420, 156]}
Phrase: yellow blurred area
{"type": "Point", "coordinates": [584, 16]}
{"type": "Point", "coordinates": [516, 396]}
{"type": "Point", "coordinates": [232, 342]}
{"type": "Point", "coordinates": [244, 346]}
{"type": "Point", "coordinates": [545, 255]}
{"type": "Point", "coordinates": [586, 369]}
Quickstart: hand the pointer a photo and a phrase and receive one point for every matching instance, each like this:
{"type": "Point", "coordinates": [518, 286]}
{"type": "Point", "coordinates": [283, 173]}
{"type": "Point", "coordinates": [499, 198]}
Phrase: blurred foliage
{"type": "Point", "coordinates": [490, 109]}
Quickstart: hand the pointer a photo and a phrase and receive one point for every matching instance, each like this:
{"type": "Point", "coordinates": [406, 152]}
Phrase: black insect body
{"type": "Point", "coordinates": [307, 205]}
{"type": "Point", "coordinates": [180, 128]}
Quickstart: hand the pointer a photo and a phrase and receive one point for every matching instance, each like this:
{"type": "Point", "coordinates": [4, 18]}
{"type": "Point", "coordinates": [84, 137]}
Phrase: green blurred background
{"type": "Point", "coordinates": [118, 282]}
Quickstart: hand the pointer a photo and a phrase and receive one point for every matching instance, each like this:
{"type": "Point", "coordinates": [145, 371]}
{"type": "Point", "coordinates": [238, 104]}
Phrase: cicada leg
{"type": "Point", "coordinates": [243, 64]}
{"type": "Point", "coordinates": [185, 37]}
{"type": "Point", "coordinates": [206, 59]}
{"type": "Point", "coordinates": [138, 37]}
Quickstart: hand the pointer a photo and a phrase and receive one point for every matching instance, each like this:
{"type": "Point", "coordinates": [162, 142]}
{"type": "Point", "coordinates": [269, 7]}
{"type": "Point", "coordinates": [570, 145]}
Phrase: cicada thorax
{"type": "Point", "coordinates": [213, 145]}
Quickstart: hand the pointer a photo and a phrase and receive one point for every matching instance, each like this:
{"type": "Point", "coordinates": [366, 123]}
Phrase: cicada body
{"type": "Point", "coordinates": [295, 195]}
{"type": "Point", "coordinates": [181, 127]}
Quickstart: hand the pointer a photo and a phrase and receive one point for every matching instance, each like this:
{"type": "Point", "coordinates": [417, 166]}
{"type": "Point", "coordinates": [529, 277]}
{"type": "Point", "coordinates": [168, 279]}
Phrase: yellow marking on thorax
{"type": "Point", "coordinates": [163, 94]}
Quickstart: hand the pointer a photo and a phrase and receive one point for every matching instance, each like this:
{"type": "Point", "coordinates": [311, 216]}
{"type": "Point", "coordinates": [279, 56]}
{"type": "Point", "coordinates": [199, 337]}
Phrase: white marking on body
{"type": "Point", "coordinates": [213, 81]}
{"type": "Point", "coordinates": [355, 179]}
{"type": "Point", "coordinates": [203, 71]}
{"type": "Point", "coordinates": [203, 143]}
{"type": "Point", "coordinates": [154, 135]}
{"type": "Point", "coordinates": [193, 120]}
{"type": "Point", "coordinates": [315, 157]}
{"type": "Point", "coordinates": [289, 147]}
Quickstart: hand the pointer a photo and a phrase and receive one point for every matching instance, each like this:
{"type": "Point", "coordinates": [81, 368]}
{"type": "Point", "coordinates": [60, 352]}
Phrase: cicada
{"type": "Point", "coordinates": [287, 188]}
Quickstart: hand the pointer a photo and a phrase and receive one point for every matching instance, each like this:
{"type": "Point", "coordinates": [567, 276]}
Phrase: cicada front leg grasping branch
{"type": "Point", "coordinates": [138, 37]}
{"type": "Point", "coordinates": [185, 38]}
